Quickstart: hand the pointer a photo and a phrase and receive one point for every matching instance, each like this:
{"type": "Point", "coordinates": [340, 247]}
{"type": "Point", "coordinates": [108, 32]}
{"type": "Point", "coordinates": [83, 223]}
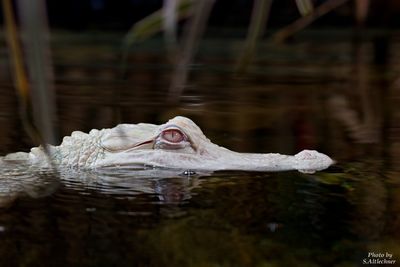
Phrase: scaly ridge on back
{"type": "Point", "coordinates": [80, 149]}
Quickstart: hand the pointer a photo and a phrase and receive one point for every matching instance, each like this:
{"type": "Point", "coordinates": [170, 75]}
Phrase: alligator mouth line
{"type": "Point", "coordinates": [136, 146]}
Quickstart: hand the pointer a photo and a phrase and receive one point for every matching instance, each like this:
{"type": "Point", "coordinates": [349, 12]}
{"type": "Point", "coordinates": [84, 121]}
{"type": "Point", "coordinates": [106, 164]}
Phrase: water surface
{"type": "Point", "coordinates": [326, 95]}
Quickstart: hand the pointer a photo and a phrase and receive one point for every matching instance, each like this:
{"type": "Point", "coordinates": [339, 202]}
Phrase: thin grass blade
{"type": "Point", "coordinates": [191, 40]}
{"type": "Point", "coordinates": [153, 23]}
{"type": "Point", "coordinates": [150, 26]}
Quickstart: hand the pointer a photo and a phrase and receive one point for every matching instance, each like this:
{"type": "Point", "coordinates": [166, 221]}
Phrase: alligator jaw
{"type": "Point", "coordinates": [307, 161]}
{"type": "Point", "coordinates": [219, 158]}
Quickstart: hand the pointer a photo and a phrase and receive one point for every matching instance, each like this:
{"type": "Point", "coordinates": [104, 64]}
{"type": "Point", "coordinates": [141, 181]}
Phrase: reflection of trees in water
{"type": "Point", "coordinates": [281, 92]}
{"type": "Point", "coordinates": [370, 200]}
{"type": "Point", "coordinates": [226, 219]}
{"type": "Point", "coordinates": [363, 119]}
{"type": "Point", "coordinates": [168, 185]}
{"type": "Point", "coordinates": [19, 180]}
{"type": "Point", "coordinates": [314, 212]}
{"type": "Point", "coordinates": [375, 199]}
{"type": "Point", "coordinates": [85, 220]}
{"type": "Point", "coordinates": [393, 215]}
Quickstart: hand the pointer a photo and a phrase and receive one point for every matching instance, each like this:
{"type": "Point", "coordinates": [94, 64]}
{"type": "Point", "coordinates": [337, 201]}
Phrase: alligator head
{"type": "Point", "coordinates": [181, 144]}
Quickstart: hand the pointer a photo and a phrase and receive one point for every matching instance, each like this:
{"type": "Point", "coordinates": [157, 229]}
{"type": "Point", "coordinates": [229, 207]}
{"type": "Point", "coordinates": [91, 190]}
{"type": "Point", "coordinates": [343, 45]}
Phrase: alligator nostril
{"type": "Point", "coordinates": [189, 173]}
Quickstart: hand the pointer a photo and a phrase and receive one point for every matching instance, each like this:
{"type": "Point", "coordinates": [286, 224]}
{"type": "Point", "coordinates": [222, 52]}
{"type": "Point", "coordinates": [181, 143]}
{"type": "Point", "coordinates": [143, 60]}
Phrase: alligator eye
{"type": "Point", "coordinates": [173, 136]}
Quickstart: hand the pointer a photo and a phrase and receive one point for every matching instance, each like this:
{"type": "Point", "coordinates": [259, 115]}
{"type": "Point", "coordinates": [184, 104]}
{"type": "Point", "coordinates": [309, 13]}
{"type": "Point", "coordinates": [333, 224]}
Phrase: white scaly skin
{"type": "Point", "coordinates": [145, 145]}
{"type": "Point", "coordinates": [79, 150]}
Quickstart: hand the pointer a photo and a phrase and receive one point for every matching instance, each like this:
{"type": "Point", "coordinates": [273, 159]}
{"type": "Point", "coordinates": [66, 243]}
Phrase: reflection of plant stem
{"type": "Point", "coordinates": [192, 37]}
{"type": "Point", "coordinates": [257, 26]}
{"type": "Point", "coordinates": [37, 56]}
{"type": "Point", "coordinates": [303, 22]}
{"type": "Point", "coordinates": [20, 76]}
{"type": "Point", "coordinates": [362, 7]}
{"type": "Point", "coordinates": [169, 23]}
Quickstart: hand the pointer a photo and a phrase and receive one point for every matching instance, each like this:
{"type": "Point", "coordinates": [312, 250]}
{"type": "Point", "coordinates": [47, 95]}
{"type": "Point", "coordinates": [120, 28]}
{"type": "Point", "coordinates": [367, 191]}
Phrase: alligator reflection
{"type": "Point", "coordinates": [18, 180]}
{"type": "Point", "coordinates": [169, 186]}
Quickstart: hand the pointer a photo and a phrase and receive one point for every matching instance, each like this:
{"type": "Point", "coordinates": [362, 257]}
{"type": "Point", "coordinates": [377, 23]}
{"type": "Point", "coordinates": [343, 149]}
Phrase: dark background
{"type": "Point", "coordinates": [121, 15]}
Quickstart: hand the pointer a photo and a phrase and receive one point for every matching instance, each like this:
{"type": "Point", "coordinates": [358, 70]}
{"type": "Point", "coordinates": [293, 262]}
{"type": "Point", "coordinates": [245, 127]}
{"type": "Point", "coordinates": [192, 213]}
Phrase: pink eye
{"type": "Point", "coordinates": [173, 136]}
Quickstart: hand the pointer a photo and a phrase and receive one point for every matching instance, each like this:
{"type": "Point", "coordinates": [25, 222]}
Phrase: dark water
{"type": "Point", "coordinates": [328, 94]}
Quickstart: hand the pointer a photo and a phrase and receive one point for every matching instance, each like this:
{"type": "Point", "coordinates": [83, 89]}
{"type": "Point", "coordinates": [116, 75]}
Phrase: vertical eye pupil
{"type": "Point", "coordinates": [173, 136]}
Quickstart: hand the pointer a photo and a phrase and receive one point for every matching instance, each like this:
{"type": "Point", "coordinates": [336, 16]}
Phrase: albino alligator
{"type": "Point", "coordinates": [177, 144]}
